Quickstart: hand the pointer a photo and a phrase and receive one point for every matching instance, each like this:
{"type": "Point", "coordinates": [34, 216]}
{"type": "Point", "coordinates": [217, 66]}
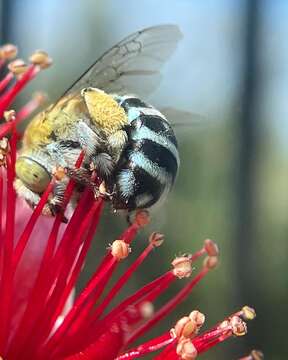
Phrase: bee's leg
{"type": "Point", "coordinates": [103, 164]}
{"type": "Point", "coordinates": [51, 208]}
{"type": "Point", "coordinates": [88, 139]}
{"type": "Point", "coordinates": [117, 142]}
{"type": "Point", "coordinates": [56, 202]}
{"type": "Point", "coordinates": [64, 153]}
{"type": "Point", "coordinates": [54, 210]}
{"type": "Point", "coordinates": [81, 176]}
{"type": "Point", "coordinates": [58, 194]}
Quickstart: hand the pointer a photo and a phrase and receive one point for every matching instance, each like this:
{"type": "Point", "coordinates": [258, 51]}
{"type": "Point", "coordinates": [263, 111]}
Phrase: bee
{"type": "Point", "coordinates": [128, 143]}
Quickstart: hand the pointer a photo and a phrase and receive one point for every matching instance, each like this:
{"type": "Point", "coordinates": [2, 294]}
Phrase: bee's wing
{"type": "Point", "coordinates": [132, 65]}
{"type": "Point", "coordinates": [181, 118]}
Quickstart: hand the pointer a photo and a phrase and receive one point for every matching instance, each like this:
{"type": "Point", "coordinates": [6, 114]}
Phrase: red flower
{"type": "Point", "coordinates": [41, 259]}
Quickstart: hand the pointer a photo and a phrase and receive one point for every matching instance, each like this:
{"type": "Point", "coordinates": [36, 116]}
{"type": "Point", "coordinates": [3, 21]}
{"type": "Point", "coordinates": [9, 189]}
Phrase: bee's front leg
{"type": "Point", "coordinates": [53, 205]}
{"type": "Point", "coordinates": [57, 199]}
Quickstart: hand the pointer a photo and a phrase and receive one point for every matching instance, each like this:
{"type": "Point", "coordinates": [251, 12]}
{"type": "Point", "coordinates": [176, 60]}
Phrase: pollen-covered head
{"type": "Point", "coordinates": [32, 174]}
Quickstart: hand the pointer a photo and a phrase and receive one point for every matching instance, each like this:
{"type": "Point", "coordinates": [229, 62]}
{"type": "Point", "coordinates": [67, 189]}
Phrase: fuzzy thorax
{"type": "Point", "coordinates": [104, 110]}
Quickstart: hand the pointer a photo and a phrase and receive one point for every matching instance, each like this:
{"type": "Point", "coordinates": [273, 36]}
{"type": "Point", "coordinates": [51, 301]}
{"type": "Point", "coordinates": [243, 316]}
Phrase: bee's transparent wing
{"type": "Point", "coordinates": [181, 118]}
{"type": "Point", "coordinates": [132, 65]}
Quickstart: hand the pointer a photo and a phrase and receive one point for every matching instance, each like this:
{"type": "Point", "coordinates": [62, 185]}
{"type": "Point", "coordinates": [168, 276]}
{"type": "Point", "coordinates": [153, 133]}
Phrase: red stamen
{"type": "Point", "coordinates": [155, 287]}
{"type": "Point", "coordinates": [121, 282]}
{"type": "Point", "coordinates": [98, 279]}
{"type": "Point", "coordinates": [168, 353]}
{"type": "Point", "coordinates": [205, 347]}
{"type": "Point", "coordinates": [195, 256]}
{"type": "Point", "coordinates": [7, 98]}
{"type": "Point", "coordinates": [5, 128]}
{"type": "Point", "coordinates": [29, 108]}
{"type": "Point", "coordinates": [6, 80]}
{"type": "Point", "coordinates": [6, 254]}
{"type": "Point", "coordinates": [66, 279]}
{"type": "Point", "coordinates": [168, 307]}
{"type": "Point", "coordinates": [148, 347]}
{"type": "Point", "coordinates": [114, 291]}
{"type": "Point", "coordinates": [65, 276]}
{"type": "Point", "coordinates": [20, 247]}
{"type": "Point", "coordinates": [80, 261]}
{"type": "Point", "coordinates": [1, 210]}
{"type": "Point", "coordinates": [45, 277]}
{"type": "Point", "coordinates": [88, 297]}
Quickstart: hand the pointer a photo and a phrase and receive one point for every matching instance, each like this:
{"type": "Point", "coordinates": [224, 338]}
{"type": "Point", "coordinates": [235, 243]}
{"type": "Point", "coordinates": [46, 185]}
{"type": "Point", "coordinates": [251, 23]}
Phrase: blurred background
{"type": "Point", "coordinates": [231, 67]}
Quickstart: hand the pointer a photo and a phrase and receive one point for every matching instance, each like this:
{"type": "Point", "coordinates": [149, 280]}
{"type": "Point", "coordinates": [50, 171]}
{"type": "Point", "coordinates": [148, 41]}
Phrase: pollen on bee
{"type": "Point", "coordinates": [104, 110]}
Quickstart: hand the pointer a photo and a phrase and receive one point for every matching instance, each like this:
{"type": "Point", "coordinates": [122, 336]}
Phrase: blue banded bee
{"type": "Point", "coordinates": [128, 142]}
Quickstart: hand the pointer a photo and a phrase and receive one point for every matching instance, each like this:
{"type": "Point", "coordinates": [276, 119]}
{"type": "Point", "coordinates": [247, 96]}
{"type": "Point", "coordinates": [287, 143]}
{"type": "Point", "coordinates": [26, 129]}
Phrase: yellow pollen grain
{"type": "Point", "coordinates": [104, 111]}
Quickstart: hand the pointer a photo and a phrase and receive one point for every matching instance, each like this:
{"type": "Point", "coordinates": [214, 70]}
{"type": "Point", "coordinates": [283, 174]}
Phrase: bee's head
{"type": "Point", "coordinates": [33, 175]}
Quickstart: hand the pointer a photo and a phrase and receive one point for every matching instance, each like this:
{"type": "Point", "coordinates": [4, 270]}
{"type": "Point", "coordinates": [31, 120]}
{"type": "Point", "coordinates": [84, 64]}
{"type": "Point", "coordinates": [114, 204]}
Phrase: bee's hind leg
{"type": "Point", "coordinates": [95, 150]}
{"type": "Point", "coordinates": [103, 164]}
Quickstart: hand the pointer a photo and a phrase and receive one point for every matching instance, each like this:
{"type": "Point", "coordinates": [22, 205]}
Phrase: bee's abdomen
{"type": "Point", "coordinates": [149, 163]}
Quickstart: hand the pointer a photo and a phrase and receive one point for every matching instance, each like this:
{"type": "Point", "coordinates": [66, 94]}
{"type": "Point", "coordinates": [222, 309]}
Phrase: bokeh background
{"type": "Point", "coordinates": [231, 67]}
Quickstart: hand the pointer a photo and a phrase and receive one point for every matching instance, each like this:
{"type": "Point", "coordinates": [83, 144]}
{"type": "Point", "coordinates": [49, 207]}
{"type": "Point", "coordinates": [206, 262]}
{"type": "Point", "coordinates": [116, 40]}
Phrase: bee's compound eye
{"type": "Point", "coordinates": [32, 174]}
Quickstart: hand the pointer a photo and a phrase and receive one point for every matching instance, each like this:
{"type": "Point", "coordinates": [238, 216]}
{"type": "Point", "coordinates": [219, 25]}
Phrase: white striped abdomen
{"type": "Point", "coordinates": [149, 163]}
